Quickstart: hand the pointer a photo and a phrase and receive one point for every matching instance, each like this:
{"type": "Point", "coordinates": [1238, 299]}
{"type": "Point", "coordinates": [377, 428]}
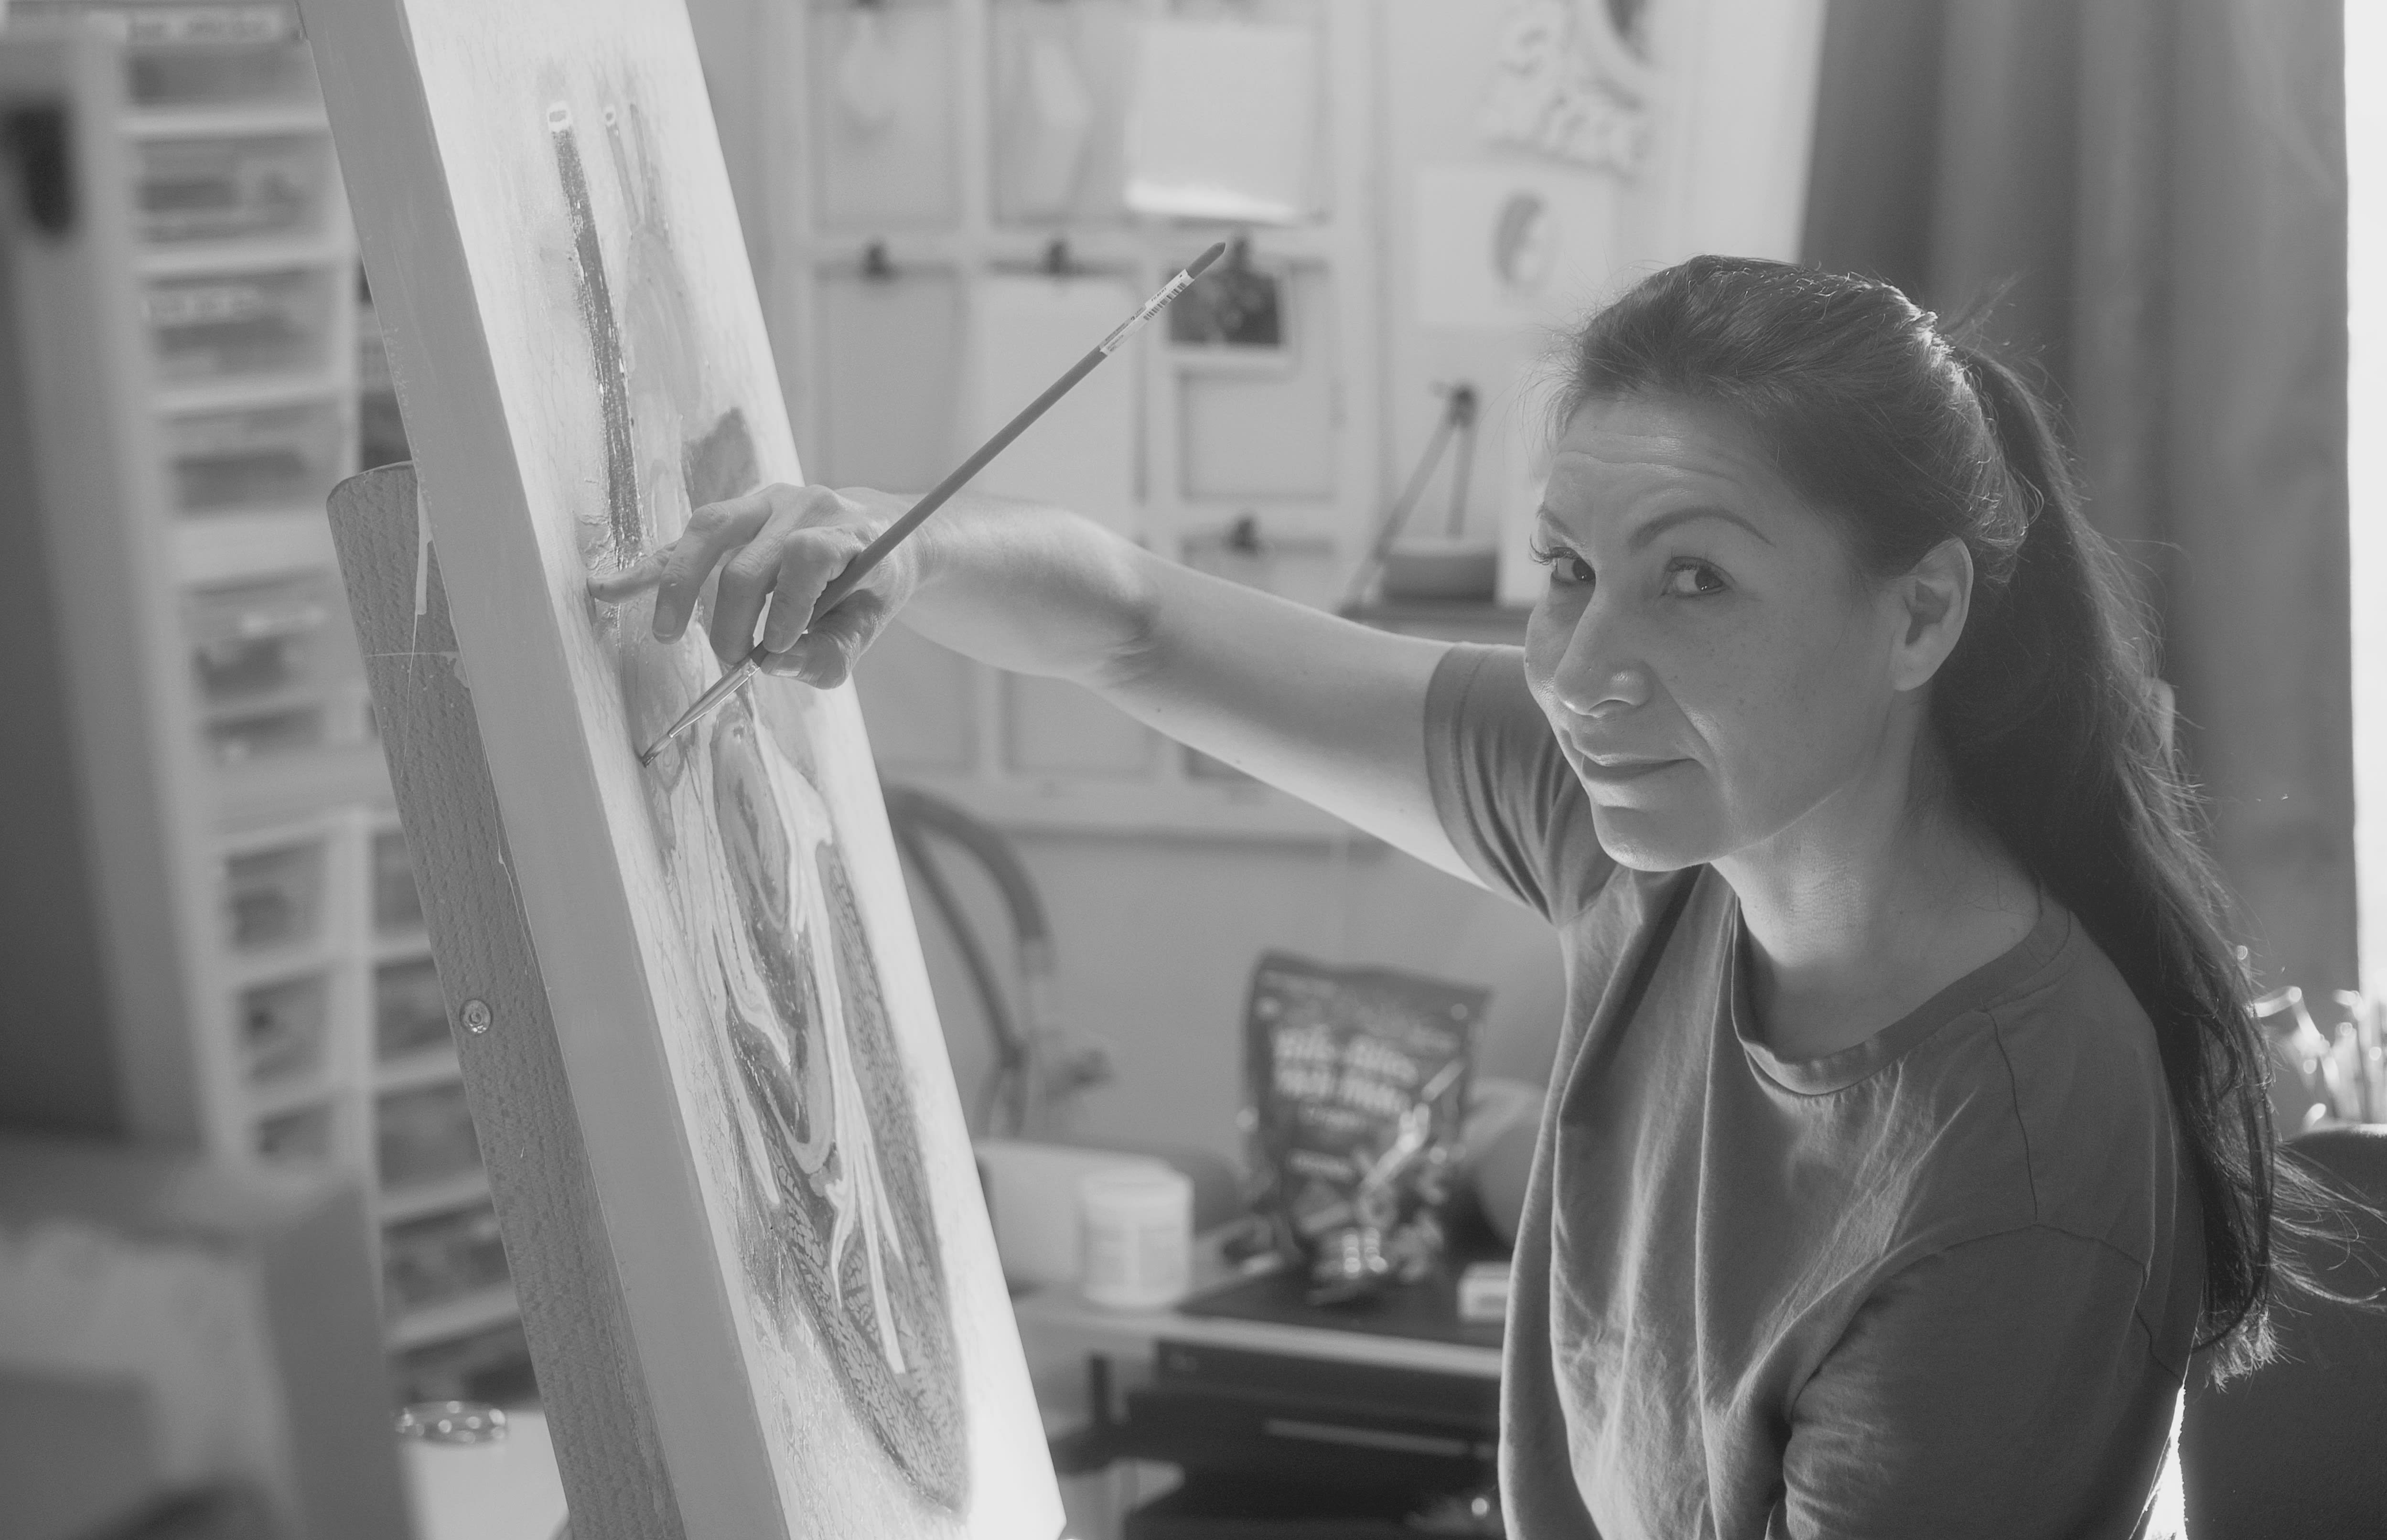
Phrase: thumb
{"type": "Point", "coordinates": [824, 656]}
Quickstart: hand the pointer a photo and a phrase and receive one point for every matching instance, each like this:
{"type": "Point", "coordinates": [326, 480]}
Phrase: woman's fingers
{"type": "Point", "coordinates": [788, 564]}
{"type": "Point", "coordinates": [777, 551]}
{"type": "Point", "coordinates": [787, 567]}
{"type": "Point", "coordinates": [635, 578]}
{"type": "Point", "coordinates": [712, 532]}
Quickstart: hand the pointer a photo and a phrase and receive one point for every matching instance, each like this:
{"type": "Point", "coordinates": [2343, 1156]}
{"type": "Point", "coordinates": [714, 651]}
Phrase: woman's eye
{"type": "Point", "coordinates": [1565, 565]}
{"type": "Point", "coordinates": [1693, 580]}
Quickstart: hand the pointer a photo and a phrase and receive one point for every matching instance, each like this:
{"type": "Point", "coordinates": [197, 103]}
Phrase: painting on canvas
{"type": "Point", "coordinates": [802, 1064]}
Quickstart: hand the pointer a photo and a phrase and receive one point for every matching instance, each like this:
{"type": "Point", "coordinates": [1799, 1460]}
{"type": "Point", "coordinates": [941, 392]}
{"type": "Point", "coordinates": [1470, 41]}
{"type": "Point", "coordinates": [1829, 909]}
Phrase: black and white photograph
{"type": "Point", "coordinates": [1194, 769]}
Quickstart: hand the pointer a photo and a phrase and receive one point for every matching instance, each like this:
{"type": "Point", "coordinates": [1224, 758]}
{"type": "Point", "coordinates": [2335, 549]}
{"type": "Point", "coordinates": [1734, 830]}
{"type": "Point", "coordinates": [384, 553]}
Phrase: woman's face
{"type": "Point", "coordinates": [1714, 665]}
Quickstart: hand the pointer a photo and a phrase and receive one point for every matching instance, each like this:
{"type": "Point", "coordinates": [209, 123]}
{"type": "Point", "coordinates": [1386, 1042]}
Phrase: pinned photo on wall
{"type": "Point", "coordinates": [1234, 316]}
{"type": "Point", "coordinates": [1498, 247]}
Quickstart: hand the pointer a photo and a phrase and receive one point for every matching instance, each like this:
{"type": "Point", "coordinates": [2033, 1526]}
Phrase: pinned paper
{"type": "Point", "coordinates": [1024, 332]}
{"type": "Point", "coordinates": [1052, 119]}
{"type": "Point", "coordinates": [882, 120]}
{"type": "Point", "coordinates": [1224, 122]}
{"type": "Point", "coordinates": [1499, 248]}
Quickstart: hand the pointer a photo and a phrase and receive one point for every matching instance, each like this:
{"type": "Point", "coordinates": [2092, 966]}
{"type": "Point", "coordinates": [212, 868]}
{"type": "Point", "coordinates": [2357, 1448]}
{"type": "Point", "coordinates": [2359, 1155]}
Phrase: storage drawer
{"type": "Point", "coordinates": [273, 895]}
{"type": "Point", "coordinates": [233, 189]}
{"type": "Point", "coordinates": [410, 1014]}
{"type": "Point", "coordinates": [396, 906]}
{"type": "Point", "coordinates": [426, 1262]}
{"type": "Point", "coordinates": [238, 738]}
{"type": "Point", "coordinates": [255, 640]}
{"type": "Point", "coordinates": [221, 327]}
{"type": "Point", "coordinates": [424, 1135]}
{"type": "Point", "coordinates": [265, 458]}
{"type": "Point", "coordinates": [284, 1028]}
{"type": "Point", "coordinates": [218, 55]}
{"type": "Point", "coordinates": [301, 1135]}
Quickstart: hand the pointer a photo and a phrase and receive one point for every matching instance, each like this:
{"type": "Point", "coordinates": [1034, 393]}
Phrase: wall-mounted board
{"type": "Point", "coordinates": [811, 1313]}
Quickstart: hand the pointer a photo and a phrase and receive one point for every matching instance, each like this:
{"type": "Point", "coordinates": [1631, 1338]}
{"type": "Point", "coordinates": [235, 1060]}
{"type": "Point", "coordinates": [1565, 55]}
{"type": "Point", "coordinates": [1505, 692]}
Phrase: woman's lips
{"type": "Point", "coordinates": [1618, 771]}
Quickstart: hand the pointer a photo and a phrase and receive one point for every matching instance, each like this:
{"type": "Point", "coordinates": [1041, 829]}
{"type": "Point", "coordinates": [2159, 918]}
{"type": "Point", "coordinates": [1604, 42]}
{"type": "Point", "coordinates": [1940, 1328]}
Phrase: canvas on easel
{"type": "Point", "coordinates": [809, 1311]}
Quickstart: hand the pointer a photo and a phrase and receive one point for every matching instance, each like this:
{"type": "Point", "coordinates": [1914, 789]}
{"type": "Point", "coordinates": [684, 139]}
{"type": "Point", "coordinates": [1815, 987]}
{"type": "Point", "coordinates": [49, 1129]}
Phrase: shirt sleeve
{"type": "Point", "coordinates": [2003, 1387]}
{"type": "Point", "coordinates": [1505, 793]}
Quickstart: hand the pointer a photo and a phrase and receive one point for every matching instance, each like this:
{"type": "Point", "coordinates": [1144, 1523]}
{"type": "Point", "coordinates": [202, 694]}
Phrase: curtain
{"type": "Point", "coordinates": [2158, 187]}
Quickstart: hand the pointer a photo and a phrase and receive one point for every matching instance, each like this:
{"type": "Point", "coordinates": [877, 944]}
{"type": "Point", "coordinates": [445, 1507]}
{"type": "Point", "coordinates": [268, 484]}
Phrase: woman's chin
{"type": "Point", "coordinates": [1645, 839]}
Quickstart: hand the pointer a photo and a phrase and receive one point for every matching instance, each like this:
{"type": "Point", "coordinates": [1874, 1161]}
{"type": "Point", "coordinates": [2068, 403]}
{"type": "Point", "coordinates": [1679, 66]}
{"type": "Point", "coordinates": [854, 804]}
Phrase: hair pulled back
{"type": "Point", "coordinates": [2044, 713]}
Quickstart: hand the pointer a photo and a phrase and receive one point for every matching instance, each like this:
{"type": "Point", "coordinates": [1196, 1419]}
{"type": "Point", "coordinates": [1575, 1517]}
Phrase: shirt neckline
{"type": "Point", "coordinates": [2001, 975]}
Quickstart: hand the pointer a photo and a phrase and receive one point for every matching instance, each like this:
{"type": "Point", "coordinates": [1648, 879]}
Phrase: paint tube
{"type": "Point", "coordinates": [1355, 1089]}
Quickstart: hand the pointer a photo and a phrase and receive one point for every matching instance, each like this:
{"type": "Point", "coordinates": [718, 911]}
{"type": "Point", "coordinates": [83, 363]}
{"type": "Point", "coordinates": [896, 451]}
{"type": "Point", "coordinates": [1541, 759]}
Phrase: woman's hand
{"type": "Point", "coordinates": [1331, 712]}
{"type": "Point", "coordinates": [778, 546]}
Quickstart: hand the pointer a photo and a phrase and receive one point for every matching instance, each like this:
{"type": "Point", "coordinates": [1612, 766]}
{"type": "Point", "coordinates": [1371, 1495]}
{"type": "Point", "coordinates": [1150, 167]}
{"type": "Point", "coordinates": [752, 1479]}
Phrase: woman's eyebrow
{"type": "Point", "coordinates": [1667, 520]}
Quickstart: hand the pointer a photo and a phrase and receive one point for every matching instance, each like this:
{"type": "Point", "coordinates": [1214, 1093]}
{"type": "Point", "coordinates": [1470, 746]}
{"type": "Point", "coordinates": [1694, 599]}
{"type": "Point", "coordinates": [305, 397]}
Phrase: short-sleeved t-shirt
{"type": "Point", "coordinates": [1944, 1282]}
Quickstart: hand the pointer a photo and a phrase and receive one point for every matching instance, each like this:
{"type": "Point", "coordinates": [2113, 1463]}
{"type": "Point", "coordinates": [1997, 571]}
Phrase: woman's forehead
{"type": "Point", "coordinates": [1646, 442]}
{"type": "Point", "coordinates": [1637, 456]}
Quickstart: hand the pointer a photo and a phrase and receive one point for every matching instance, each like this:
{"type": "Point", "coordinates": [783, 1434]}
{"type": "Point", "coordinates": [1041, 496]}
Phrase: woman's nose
{"type": "Point", "coordinates": [1599, 674]}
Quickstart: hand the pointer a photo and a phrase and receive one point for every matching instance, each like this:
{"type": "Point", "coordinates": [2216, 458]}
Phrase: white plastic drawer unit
{"type": "Point", "coordinates": [274, 894]}
{"type": "Point", "coordinates": [232, 325]}
{"type": "Point", "coordinates": [285, 1026]}
{"type": "Point", "coordinates": [256, 459]}
{"type": "Point", "coordinates": [234, 188]}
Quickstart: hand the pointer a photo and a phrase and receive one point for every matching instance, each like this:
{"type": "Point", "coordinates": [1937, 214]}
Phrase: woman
{"type": "Point", "coordinates": [1907, 1131]}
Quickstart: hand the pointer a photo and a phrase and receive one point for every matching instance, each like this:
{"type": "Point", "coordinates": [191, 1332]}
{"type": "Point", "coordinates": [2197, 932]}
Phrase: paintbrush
{"type": "Point", "coordinates": [859, 568]}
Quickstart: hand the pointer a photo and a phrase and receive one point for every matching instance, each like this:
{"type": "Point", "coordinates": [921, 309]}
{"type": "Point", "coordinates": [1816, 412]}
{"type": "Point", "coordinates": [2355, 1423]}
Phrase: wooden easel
{"type": "Point", "coordinates": [590, 1382]}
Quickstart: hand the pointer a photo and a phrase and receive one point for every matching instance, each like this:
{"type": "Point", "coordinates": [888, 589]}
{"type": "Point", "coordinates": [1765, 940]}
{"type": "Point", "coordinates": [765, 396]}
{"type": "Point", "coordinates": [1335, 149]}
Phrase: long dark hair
{"type": "Point", "coordinates": [2044, 714]}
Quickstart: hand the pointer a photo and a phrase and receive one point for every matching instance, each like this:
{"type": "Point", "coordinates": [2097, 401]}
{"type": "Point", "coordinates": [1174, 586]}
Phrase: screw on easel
{"type": "Point", "coordinates": [476, 1016]}
{"type": "Point", "coordinates": [34, 140]}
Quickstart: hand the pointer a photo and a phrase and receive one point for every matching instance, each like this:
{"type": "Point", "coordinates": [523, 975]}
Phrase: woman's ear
{"type": "Point", "coordinates": [1932, 598]}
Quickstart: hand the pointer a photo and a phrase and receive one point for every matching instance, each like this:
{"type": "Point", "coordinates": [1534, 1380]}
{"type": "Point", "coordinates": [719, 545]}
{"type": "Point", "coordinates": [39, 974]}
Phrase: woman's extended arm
{"type": "Point", "coordinates": [1331, 712]}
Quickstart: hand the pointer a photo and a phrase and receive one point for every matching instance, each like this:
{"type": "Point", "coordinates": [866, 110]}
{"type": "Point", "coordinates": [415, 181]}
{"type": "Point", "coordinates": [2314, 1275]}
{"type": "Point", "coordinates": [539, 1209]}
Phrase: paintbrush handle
{"type": "Point", "coordinates": [860, 567]}
{"type": "Point", "coordinates": [841, 586]}
{"type": "Point", "coordinates": [844, 582]}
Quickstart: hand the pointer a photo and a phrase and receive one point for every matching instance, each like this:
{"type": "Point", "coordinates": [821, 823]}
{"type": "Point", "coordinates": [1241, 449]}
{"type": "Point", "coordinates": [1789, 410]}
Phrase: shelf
{"type": "Point", "coordinates": [214, 547]}
{"type": "Point", "coordinates": [414, 1200]}
{"type": "Point", "coordinates": [254, 254]}
{"type": "Point", "coordinates": [229, 121]}
{"type": "Point", "coordinates": [460, 1316]}
{"type": "Point", "coordinates": [430, 1066]}
{"type": "Point", "coordinates": [238, 391]}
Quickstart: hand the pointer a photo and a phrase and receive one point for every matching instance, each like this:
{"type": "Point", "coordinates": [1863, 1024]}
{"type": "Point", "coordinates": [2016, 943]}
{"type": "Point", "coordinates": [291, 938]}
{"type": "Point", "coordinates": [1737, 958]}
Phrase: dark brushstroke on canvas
{"type": "Point", "coordinates": [721, 464]}
{"type": "Point", "coordinates": [854, 1281]}
{"type": "Point", "coordinates": [604, 343]}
